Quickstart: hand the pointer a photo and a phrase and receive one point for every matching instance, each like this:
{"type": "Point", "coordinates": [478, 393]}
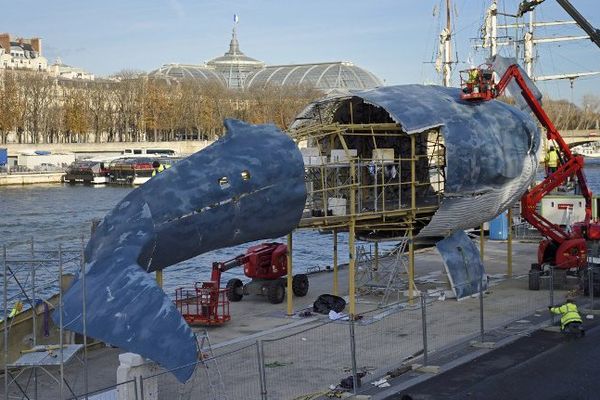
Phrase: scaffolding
{"type": "Point", "coordinates": [374, 181]}
{"type": "Point", "coordinates": [34, 279]}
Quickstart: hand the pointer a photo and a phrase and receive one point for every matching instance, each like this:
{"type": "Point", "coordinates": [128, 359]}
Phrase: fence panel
{"type": "Point", "coordinates": [308, 361]}
{"type": "Point", "coordinates": [510, 300]}
{"type": "Point", "coordinates": [385, 339]}
{"type": "Point", "coordinates": [231, 375]}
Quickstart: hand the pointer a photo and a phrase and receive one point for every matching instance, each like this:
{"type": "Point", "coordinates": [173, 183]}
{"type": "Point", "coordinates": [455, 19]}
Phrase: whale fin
{"type": "Point", "coordinates": [144, 319]}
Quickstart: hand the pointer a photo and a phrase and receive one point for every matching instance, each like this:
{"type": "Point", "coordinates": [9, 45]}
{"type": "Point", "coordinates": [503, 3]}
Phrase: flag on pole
{"type": "Point", "coordinates": [235, 18]}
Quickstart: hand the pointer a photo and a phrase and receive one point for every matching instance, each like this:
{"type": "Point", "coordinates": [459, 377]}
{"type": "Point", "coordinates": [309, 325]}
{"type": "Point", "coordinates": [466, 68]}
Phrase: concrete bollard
{"type": "Point", "coordinates": [132, 366]}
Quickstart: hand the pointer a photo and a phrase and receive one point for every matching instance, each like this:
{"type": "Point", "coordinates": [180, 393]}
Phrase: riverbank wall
{"type": "Point", "coordinates": [31, 178]}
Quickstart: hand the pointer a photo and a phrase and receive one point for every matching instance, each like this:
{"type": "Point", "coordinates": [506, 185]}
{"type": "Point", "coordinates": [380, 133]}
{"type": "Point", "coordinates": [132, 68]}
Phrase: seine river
{"type": "Point", "coordinates": [61, 214]}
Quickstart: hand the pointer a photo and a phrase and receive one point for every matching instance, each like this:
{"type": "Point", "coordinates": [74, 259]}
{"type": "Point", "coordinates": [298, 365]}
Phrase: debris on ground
{"type": "Point", "coordinates": [328, 302]}
{"type": "Point", "coordinates": [338, 394]}
{"type": "Point", "coordinates": [276, 364]}
{"type": "Point", "coordinates": [311, 396]}
{"type": "Point", "coordinates": [381, 383]}
{"type": "Point", "coordinates": [305, 314]}
{"type": "Point", "coordinates": [398, 371]}
{"type": "Point", "coordinates": [335, 316]}
{"type": "Point", "coordinates": [348, 382]}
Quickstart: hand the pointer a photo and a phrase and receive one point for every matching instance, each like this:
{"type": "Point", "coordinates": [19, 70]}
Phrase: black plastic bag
{"type": "Point", "coordinates": [328, 302]}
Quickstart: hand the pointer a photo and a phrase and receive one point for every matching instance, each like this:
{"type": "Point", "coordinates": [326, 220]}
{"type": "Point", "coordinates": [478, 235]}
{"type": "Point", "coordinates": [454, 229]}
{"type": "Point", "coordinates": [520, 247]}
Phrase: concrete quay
{"type": "Point", "coordinates": [305, 355]}
{"type": "Point", "coordinates": [31, 178]}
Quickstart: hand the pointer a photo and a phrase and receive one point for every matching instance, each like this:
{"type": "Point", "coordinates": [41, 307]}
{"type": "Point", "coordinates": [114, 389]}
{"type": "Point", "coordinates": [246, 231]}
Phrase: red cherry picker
{"type": "Point", "coordinates": [560, 248]}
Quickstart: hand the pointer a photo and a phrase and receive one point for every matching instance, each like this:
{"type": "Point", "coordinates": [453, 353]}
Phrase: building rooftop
{"type": "Point", "coordinates": [235, 56]}
{"type": "Point", "coordinates": [186, 71]}
{"type": "Point", "coordinates": [236, 70]}
{"type": "Point", "coordinates": [325, 76]}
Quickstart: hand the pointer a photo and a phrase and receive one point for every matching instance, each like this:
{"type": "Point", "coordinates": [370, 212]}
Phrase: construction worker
{"type": "Point", "coordinates": [158, 167]}
{"type": "Point", "coordinates": [16, 309]}
{"type": "Point", "coordinates": [551, 161]}
{"type": "Point", "coordinates": [473, 80]}
{"type": "Point", "coordinates": [569, 312]}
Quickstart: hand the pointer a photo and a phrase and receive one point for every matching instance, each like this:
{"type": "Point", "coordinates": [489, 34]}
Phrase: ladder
{"type": "Point", "coordinates": [394, 280]}
{"type": "Point", "coordinates": [208, 362]}
{"type": "Point", "coordinates": [387, 278]}
{"type": "Point", "coordinates": [206, 376]}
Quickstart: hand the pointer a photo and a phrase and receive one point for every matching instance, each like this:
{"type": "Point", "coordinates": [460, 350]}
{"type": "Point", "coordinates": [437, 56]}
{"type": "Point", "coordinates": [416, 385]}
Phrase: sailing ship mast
{"type": "Point", "coordinates": [529, 41]}
{"type": "Point", "coordinates": [443, 61]}
{"type": "Point", "coordinates": [446, 37]}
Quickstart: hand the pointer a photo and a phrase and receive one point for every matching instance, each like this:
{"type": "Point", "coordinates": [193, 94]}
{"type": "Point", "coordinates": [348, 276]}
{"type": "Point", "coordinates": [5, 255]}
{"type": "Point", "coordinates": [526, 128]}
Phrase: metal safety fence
{"type": "Point", "coordinates": [309, 358]}
{"type": "Point", "coordinates": [307, 362]}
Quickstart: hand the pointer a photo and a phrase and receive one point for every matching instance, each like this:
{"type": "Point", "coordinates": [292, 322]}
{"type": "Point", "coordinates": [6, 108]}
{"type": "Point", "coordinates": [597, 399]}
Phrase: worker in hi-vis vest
{"type": "Point", "coordinates": [551, 160]}
{"type": "Point", "coordinates": [569, 313]}
{"type": "Point", "coordinates": [158, 167]}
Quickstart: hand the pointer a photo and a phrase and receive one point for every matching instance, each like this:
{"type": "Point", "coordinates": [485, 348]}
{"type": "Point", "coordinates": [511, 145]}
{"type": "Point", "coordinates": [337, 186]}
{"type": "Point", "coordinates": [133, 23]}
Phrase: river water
{"type": "Point", "coordinates": [61, 214]}
{"type": "Point", "coordinates": [56, 214]}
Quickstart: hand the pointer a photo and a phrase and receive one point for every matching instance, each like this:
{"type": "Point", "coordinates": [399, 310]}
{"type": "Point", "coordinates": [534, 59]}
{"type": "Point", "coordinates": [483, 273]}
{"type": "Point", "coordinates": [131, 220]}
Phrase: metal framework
{"type": "Point", "coordinates": [372, 180]}
{"type": "Point", "coordinates": [33, 277]}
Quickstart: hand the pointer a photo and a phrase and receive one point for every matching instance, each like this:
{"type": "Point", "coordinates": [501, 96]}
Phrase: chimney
{"type": "Point", "coordinates": [5, 42]}
{"type": "Point", "coordinates": [36, 43]}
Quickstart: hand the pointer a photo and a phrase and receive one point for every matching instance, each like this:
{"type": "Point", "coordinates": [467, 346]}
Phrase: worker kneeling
{"type": "Point", "coordinates": [570, 320]}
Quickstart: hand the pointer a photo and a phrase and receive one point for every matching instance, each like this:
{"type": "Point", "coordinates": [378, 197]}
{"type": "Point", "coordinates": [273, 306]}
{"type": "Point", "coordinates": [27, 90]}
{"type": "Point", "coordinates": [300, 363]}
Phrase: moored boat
{"type": "Point", "coordinates": [87, 171]}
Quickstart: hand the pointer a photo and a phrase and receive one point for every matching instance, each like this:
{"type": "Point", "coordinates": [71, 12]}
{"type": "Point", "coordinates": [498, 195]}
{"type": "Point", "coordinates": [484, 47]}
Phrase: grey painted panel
{"type": "Point", "coordinates": [500, 65]}
{"type": "Point", "coordinates": [491, 147]}
{"type": "Point", "coordinates": [463, 264]}
{"type": "Point", "coordinates": [464, 212]}
{"type": "Point", "coordinates": [487, 143]}
{"type": "Point", "coordinates": [179, 214]}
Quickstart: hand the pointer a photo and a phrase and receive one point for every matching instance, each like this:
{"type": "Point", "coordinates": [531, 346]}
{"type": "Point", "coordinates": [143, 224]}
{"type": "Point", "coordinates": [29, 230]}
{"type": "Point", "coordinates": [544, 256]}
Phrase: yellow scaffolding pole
{"type": "Point", "coordinates": [352, 268]}
{"type": "Point", "coordinates": [351, 243]}
{"type": "Point", "coordinates": [289, 291]}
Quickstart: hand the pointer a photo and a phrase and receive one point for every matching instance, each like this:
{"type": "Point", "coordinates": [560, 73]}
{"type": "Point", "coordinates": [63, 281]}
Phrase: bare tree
{"type": "Point", "coordinates": [11, 103]}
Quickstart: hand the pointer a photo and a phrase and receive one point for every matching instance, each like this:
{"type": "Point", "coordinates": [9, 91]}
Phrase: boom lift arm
{"type": "Point", "coordinates": [561, 248]}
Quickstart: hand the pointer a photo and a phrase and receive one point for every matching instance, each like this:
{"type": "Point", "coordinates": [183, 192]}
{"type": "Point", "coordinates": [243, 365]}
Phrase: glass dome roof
{"type": "Point", "coordinates": [183, 71]}
{"type": "Point", "coordinates": [325, 76]}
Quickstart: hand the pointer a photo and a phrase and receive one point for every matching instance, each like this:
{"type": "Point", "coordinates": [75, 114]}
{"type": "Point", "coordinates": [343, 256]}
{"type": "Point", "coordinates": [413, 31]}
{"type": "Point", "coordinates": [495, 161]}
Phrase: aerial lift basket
{"type": "Point", "coordinates": [204, 304]}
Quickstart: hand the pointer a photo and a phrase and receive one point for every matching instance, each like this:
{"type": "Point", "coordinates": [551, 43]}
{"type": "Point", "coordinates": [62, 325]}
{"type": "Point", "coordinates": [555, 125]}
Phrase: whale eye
{"type": "Point", "coordinates": [246, 175]}
{"type": "Point", "coordinates": [224, 182]}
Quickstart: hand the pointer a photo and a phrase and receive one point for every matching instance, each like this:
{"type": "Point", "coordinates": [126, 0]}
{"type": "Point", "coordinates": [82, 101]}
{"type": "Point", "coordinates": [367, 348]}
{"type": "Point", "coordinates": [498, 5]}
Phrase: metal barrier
{"type": "Point", "coordinates": [310, 358]}
{"type": "Point", "coordinates": [307, 361]}
{"type": "Point", "coordinates": [128, 389]}
{"type": "Point", "coordinates": [232, 375]}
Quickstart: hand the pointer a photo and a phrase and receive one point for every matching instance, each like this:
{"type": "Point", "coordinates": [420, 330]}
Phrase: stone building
{"type": "Point", "coordinates": [21, 53]}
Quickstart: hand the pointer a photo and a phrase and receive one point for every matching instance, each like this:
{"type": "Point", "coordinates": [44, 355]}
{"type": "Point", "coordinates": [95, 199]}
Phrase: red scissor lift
{"type": "Point", "coordinates": [204, 304]}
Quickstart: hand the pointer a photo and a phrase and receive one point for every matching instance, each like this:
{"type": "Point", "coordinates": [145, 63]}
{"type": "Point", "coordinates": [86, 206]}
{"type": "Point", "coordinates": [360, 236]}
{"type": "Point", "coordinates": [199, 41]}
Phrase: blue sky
{"type": "Point", "coordinates": [395, 39]}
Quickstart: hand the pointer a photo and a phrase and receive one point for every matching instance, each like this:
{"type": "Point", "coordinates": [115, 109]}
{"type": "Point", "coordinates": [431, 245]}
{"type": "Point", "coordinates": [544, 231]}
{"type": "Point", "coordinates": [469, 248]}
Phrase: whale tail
{"type": "Point", "coordinates": [130, 311]}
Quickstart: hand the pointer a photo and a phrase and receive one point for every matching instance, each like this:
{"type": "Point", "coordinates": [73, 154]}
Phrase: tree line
{"type": "Point", "coordinates": [131, 107]}
{"type": "Point", "coordinates": [37, 108]}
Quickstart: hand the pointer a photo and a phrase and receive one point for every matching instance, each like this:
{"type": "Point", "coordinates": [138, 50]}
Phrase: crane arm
{"type": "Point", "coordinates": [593, 33]}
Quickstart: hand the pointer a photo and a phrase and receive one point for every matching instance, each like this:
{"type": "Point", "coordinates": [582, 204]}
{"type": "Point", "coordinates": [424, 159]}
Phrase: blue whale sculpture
{"type": "Point", "coordinates": [249, 185]}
